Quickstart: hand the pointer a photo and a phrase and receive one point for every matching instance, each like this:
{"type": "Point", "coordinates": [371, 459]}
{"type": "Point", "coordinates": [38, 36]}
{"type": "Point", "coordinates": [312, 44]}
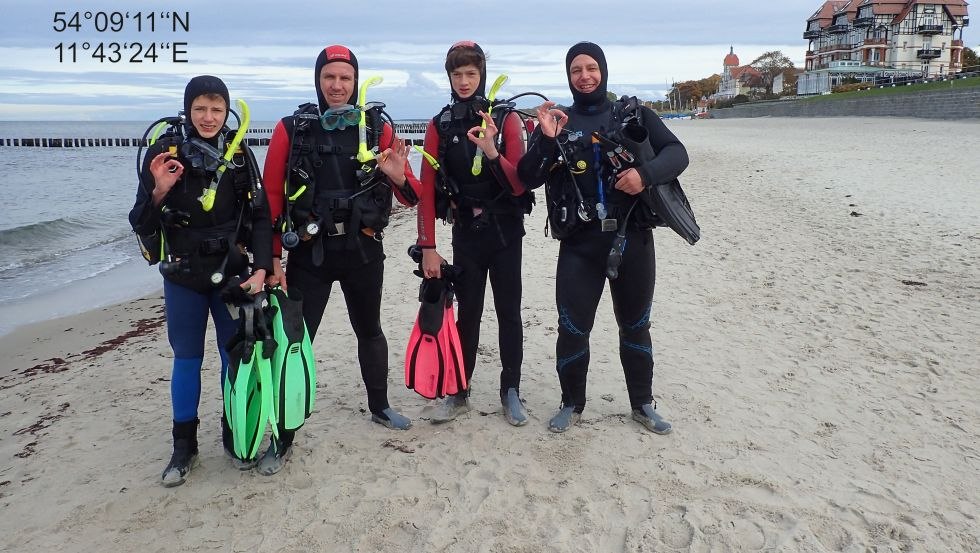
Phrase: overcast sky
{"type": "Point", "coordinates": [265, 50]}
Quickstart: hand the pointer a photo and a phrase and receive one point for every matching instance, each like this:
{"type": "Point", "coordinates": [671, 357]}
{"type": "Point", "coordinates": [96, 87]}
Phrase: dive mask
{"type": "Point", "coordinates": [339, 118]}
{"type": "Point", "coordinates": [202, 155]}
{"type": "Point", "coordinates": [470, 108]}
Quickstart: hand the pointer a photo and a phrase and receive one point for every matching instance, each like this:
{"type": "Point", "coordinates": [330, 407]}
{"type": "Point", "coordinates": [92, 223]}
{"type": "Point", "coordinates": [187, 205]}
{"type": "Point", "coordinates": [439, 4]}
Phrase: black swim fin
{"type": "Point", "coordinates": [670, 203]}
{"type": "Point", "coordinates": [667, 200]}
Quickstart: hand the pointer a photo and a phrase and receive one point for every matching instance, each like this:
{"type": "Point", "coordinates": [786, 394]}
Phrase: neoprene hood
{"type": "Point", "coordinates": [332, 54]}
{"type": "Point", "coordinates": [597, 96]}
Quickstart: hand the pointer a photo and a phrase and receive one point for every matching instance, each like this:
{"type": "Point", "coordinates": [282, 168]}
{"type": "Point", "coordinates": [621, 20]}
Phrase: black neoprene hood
{"type": "Point", "coordinates": [592, 50]}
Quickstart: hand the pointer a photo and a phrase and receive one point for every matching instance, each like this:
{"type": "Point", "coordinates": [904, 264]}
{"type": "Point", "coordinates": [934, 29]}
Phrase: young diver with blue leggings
{"type": "Point", "coordinates": [204, 244]}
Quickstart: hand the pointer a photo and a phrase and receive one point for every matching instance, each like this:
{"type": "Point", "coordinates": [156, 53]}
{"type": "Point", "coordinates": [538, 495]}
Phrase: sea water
{"type": "Point", "coordinates": [65, 241]}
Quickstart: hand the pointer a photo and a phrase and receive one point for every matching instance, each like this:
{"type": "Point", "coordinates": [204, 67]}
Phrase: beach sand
{"type": "Point", "coordinates": [817, 353]}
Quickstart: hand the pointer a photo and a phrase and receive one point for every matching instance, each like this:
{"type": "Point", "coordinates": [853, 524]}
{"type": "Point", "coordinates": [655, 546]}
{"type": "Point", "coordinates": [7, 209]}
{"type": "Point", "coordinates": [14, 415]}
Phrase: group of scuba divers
{"type": "Point", "coordinates": [217, 226]}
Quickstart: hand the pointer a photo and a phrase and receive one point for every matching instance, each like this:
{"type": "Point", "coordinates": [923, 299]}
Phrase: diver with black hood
{"type": "Point", "coordinates": [593, 190]}
{"type": "Point", "coordinates": [199, 242]}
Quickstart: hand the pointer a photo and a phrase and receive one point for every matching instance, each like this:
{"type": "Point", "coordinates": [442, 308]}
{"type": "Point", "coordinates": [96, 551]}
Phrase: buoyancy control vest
{"type": "Point", "coordinates": [487, 192]}
{"type": "Point", "coordinates": [329, 194]}
{"type": "Point", "coordinates": [199, 248]}
{"type": "Point", "coordinates": [587, 172]}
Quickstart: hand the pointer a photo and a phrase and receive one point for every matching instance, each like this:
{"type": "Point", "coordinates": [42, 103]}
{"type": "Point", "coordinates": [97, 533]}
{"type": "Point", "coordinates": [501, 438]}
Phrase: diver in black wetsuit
{"type": "Point", "coordinates": [204, 246]}
{"type": "Point", "coordinates": [589, 204]}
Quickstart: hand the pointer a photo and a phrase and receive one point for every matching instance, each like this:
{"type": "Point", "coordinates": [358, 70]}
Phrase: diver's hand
{"type": "Point", "coordinates": [551, 120]}
{"type": "Point", "coordinates": [166, 172]}
{"type": "Point", "coordinates": [432, 263]}
{"type": "Point", "coordinates": [254, 283]}
{"type": "Point", "coordinates": [630, 182]}
{"type": "Point", "coordinates": [485, 142]}
{"type": "Point", "coordinates": [392, 161]}
{"type": "Point", "coordinates": [278, 276]}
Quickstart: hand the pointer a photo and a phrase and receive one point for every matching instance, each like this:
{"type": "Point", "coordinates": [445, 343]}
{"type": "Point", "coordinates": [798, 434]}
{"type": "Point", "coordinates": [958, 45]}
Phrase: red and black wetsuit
{"type": "Point", "coordinates": [353, 258]}
{"type": "Point", "coordinates": [488, 226]}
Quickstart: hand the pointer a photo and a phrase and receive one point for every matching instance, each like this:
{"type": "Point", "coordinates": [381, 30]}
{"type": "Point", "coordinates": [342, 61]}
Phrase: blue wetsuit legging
{"type": "Point", "coordinates": [187, 321]}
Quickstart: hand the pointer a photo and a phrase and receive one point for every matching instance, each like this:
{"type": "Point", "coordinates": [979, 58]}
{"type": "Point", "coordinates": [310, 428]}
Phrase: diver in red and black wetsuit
{"type": "Point", "coordinates": [488, 222]}
{"type": "Point", "coordinates": [331, 219]}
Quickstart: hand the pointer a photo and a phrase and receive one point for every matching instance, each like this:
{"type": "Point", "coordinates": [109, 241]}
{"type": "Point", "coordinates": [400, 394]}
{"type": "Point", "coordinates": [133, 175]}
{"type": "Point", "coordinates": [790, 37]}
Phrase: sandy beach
{"type": "Point", "coordinates": [816, 352]}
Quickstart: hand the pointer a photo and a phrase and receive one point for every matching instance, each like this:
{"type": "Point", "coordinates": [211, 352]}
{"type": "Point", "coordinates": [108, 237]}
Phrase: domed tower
{"type": "Point", "coordinates": [727, 88]}
{"type": "Point", "coordinates": [731, 60]}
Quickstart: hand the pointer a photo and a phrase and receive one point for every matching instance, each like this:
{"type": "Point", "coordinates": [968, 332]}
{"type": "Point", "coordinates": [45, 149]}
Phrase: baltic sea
{"type": "Point", "coordinates": [65, 241]}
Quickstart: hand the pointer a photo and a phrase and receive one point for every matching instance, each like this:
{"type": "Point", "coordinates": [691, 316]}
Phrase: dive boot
{"type": "Point", "coordinates": [275, 457]}
{"type": "Point", "coordinates": [648, 417]}
{"type": "Point", "coordinates": [450, 408]}
{"type": "Point", "coordinates": [513, 406]}
{"type": "Point", "coordinates": [564, 419]}
{"type": "Point", "coordinates": [392, 419]}
{"type": "Point", "coordinates": [185, 453]}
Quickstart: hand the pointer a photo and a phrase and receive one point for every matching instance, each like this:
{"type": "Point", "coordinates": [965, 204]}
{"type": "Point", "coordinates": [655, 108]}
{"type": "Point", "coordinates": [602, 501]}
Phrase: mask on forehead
{"type": "Point", "coordinates": [592, 50]}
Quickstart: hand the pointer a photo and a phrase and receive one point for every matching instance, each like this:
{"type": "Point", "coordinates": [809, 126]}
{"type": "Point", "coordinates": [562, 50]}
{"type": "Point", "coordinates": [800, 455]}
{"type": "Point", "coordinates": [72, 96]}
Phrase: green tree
{"type": "Point", "coordinates": [970, 60]}
{"type": "Point", "coordinates": [769, 65]}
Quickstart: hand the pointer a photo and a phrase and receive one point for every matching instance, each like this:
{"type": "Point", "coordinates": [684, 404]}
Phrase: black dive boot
{"type": "Point", "coordinates": [185, 453]}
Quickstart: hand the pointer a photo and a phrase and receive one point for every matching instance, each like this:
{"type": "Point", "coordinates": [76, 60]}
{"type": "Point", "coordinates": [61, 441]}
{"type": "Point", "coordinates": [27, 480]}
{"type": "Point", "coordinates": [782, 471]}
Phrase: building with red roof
{"type": "Point", "coordinates": [736, 79]}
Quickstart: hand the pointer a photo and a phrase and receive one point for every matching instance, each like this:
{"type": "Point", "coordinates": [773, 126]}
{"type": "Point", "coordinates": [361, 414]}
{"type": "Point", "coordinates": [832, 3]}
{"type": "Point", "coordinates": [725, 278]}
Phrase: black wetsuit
{"type": "Point", "coordinates": [199, 242]}
{"type": "Point", "coordinates": [583, 253]}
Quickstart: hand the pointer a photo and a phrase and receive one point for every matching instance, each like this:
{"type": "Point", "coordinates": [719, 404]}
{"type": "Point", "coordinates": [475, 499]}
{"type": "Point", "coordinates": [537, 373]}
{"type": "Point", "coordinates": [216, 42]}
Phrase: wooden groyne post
{"type": "Point", "coordinates": [262, 139]}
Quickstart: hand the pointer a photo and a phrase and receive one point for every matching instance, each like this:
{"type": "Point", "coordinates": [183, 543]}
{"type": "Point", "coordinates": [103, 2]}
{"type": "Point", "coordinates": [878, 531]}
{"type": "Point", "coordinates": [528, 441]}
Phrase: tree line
{"type": "Point", "coordinates": [770, 65]}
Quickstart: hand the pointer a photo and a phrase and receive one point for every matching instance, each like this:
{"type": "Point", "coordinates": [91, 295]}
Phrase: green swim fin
{"type": "Point", "coordinates": [293, 367]}
{"type": "Point", "coordinates": [248, 381]}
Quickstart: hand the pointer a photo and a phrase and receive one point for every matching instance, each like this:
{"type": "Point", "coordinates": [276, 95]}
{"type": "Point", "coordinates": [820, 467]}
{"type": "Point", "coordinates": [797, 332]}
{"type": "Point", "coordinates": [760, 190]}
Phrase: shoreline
{"type": "Point", "coordinates": [131, 280]}
{"type": "Point", "coordinates": [47, 345]}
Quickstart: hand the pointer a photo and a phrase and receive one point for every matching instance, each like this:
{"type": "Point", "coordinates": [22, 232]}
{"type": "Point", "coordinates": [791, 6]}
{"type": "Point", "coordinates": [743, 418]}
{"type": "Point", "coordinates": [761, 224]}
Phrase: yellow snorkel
{"type": "Point", "coordinates": [363, 154]}
{"type": "Point", "coordinates": [478, 158]}
{"type": "Point", "coordinates": [209, 193]}
{"type": "Point", "coordinates": [428, 157]}
{"type": "Point", "coordinates": [157, 131]}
